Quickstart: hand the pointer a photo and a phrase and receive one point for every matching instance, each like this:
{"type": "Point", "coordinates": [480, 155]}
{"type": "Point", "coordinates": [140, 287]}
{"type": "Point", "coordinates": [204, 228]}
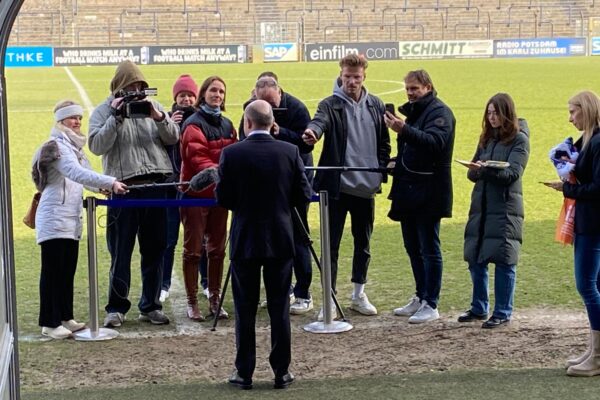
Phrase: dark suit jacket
{"type": "Point", "coordinates": [261, 180]}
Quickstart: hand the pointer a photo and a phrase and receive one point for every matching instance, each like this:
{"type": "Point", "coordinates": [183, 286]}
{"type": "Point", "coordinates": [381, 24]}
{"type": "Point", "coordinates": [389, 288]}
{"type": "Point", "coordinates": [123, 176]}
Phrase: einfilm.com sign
{"type": "Point", "coordinates": [335, 51]}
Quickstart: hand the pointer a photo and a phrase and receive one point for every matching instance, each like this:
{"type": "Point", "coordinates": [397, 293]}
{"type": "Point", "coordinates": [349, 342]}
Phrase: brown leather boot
{"type": "Point", "coordinates": [213, 304]}
{"type": "Point", "coordinates": [190, 278]}
{"type": "Point", "coordinates": [193, 313]}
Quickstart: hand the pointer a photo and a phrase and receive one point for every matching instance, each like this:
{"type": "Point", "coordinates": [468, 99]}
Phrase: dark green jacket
{"type": "Point", "coordinates": [494, 231]}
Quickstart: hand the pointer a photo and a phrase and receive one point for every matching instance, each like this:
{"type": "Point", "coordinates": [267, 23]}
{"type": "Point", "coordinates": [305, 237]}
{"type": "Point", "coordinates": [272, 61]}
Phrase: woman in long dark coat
{"type": "Point", "coordinates": [494, 230]}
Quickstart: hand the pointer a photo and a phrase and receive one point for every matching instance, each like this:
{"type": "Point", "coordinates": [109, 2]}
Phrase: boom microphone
{"type": "Point", "coordinates": [204, 179]}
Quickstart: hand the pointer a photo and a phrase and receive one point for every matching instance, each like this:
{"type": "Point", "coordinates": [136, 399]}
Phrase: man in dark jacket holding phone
{"type": "Point", "coordinates": [421, 192]}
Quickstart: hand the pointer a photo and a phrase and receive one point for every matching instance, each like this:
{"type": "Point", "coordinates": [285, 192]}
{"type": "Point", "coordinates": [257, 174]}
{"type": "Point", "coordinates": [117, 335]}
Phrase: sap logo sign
{"type": "Point", "coordinates": [596, 46]}
{"type": "Point", "coordinates": [280, 52]}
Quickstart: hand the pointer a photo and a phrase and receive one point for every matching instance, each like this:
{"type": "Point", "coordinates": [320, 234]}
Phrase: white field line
{"type": "Point", "coordinates": [82, 93]}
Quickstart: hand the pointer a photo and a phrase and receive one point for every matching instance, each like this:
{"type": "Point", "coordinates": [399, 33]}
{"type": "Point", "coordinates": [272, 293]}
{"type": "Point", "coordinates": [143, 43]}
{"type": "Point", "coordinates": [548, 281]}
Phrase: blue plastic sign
{"type": "Point", "coordinates": [28, 57]}
{"type": "Point", "coordinates": [280, 52]}
{"type": "Point", "coordinates": [540, 47]}
{"type": "Point", "coordinates": [595, 46]}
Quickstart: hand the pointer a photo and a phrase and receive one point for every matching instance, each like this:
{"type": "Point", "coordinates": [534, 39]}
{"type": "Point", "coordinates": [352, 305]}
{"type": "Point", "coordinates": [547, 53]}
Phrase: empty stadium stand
{"type": "Point", "coordinates": [181, 22]}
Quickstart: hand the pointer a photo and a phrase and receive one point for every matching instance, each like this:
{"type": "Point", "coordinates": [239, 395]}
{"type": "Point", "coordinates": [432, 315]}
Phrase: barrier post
{"type": "Point", "coordinates": [94, 332]}
{"type": "Point", "coordinates": [328, 325]}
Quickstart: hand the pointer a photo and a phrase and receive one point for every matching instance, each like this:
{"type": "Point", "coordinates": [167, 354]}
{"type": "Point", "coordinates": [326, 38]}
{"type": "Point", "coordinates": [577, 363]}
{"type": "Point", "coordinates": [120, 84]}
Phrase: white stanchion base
{"type": "Point", "coordinates": [86, 335]}
{"type": "Point", "coordinates": [333, 327]}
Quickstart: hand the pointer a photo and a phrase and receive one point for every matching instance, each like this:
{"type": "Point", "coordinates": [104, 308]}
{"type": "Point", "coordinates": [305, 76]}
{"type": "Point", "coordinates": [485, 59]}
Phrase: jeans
{"type": "Point", "coordinates": [362, 215]}
{"type": "Point", "coordinates": [148, 224]}
{"type": "Point", "coordinates": [421, 236]}
{"type": "Point", "coordinates": [587, 275]}
{"type": "Point", "coordinates": [504, 289]}
{"type": "Point", "coordinates": [302, 262]}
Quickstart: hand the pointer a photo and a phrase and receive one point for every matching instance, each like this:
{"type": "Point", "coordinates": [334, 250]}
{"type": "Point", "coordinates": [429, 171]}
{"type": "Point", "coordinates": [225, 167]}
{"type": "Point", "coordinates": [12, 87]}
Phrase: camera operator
{"type": "Point", "coordinates": [291, 119]}
{"type": "Point", "coordinates": [133, 150]}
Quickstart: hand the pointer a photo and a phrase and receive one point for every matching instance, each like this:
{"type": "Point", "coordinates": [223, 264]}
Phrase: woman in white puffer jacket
{"type": "Point", "coordinates": [60, 169]}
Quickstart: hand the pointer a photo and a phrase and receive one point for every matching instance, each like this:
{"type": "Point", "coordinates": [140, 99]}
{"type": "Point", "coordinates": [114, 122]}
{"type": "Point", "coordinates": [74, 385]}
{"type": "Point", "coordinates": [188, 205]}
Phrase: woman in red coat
{"type": "Point", "coordinates": [204, 136]}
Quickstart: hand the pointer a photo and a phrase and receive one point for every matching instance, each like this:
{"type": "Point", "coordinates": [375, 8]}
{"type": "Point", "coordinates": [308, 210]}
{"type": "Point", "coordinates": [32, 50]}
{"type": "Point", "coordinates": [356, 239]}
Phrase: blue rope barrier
{"type": "Point", "coordinates": [131, 203]}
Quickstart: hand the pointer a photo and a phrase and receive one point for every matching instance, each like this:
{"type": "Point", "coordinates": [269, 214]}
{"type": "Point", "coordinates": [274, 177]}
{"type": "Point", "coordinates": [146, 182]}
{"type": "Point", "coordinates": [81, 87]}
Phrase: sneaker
{"type": "Point", "coordinates": [263, 304]}
{"type": "Point", "coordinates": [73, 325]}
{"type": "Point", "coordinates": [60, 332]}
{"type": "Point", "coordinates": [301, 306]}
{"type": "Point", "coordinates": [362, 305]}
{"type": "Point", "coordinates": [409, 309]}
{"type": "Point", "coordinates": [470, 316]}
{"type": "Point", "coordinates": [321, 316]}
{"type": "Point", "coordinates": [424, 314]}
{"type": "Point", "coordinates": [495, 322]}
{"type": "Point", "coordinates": [205, 292]}
{"type": "Point", "coordinates": [114, 319]}
{"type": "Point", "coordinates": [164, 295]}
{"type": "Point", "coordinates": [156, 317]}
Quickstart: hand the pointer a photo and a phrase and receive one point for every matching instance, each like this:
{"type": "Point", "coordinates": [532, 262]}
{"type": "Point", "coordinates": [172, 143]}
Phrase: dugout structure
{"type": "Point", "coordinates": [9, 355]}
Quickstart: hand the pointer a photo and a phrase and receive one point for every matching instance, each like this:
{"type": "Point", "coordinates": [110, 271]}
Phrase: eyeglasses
{"type": "Point", "coordinates": [261, 83]}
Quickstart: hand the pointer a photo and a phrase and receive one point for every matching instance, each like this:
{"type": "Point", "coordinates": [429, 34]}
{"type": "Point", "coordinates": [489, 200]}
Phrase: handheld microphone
{"type": "Point", "coordinates": [204, 179]}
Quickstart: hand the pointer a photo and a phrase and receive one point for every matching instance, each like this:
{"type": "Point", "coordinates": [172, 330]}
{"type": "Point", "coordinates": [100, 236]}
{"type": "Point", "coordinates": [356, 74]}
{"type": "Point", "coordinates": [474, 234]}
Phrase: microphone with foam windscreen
{"type": "Point", "coordinates": [204, 179]}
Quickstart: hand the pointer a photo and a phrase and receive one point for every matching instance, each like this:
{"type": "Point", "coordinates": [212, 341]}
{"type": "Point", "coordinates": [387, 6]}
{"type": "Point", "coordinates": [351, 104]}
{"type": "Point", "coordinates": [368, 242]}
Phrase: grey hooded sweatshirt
{"type": "Point", "coordinates": [361, 148]}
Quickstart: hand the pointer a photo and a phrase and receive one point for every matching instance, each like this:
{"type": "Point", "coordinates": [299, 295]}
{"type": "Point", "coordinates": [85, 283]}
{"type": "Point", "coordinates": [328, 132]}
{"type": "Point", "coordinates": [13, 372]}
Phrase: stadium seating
{"type": "Point", "coordinates": [181, 22]}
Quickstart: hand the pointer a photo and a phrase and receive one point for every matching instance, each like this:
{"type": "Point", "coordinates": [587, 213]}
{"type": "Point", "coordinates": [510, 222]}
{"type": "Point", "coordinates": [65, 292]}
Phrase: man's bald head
{"type": "Point", "coordinates": [258, 116]}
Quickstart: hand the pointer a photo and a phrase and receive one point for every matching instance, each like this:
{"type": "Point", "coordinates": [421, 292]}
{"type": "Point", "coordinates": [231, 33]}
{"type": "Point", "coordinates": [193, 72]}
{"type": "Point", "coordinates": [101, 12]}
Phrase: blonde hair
{"type": "Point", "coordinates": [589, 103]}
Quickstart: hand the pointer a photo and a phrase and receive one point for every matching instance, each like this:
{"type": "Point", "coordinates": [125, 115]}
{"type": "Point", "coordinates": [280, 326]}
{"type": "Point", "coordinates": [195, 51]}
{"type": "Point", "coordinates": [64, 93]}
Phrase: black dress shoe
{"type": "Point", "coordinates": [281, 382]}
{"type": "Point", "coordinates": [470, 316]}
{"type": "Point", "coordinates": [495, 322]}
{"type": "Point", "coordinates": [242, 383]}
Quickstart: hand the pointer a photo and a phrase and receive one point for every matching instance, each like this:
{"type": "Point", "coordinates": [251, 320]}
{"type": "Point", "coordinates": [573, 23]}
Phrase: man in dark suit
{"type": "Point", "coordinates": [261, 179]}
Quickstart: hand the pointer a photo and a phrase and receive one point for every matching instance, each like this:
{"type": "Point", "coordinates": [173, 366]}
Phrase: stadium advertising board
{"type": "Point", "coordinates": [540, 47]}
{"type": "Point", "coordinates": [28, 57]}
{"type": "Point", "coordinates": [210, 54]}
{"type": "Point", "coordinates": [595, 51]}
{"type": "Point", "coordinates": [446, 49]}
{"type": "Point", "coordinates": [64, 56]}
{"type": "Point", "coordinates": [275, 52]}
{"type": "Point", "coordinates": [335, 51]}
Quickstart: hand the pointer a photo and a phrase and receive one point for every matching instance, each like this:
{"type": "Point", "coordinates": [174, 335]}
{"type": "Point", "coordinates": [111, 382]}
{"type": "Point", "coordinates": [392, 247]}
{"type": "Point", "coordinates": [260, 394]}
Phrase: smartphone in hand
{"type": "Point", "coordinates": [389, 107]}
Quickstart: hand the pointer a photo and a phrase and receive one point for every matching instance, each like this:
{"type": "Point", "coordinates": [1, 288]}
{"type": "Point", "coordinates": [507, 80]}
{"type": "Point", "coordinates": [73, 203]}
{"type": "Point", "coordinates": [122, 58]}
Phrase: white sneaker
{"type": "Point", "coordinates": [164, 295]}
{"type": "Point", "coordinates": [424, 314]}
{"type": "Point", "coordinates": [60, 332]}
{"type": "Point", "coordinates": [114, 319]}
{"type": "Point", "coordinates": [205, 292]}
{"type": "Point", "coordinates": [362, 305]}
{"type": "Point", "coordinates": [321, 316]}
{"type": "Point", "coordinates": [409, 309]}
{"type": "Point", "coordinates": [73, 325]}
{"type": "Point", "coordinates": [301, 306]}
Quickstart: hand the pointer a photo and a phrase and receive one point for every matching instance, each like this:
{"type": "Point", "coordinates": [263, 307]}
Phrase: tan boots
{"type": "Point", "coordinates": [590, 366]}
{"type": "Point", "coordinates": [583, 357]}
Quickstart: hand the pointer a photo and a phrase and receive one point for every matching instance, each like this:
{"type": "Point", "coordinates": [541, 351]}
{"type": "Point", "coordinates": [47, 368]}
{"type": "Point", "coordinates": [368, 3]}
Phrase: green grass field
{"type": "Point", "coordinates": [540, 89]}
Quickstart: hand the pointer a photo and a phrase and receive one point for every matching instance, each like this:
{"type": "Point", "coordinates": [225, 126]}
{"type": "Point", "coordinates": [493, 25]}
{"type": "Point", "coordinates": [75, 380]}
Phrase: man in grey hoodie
{"type": "Point", "coordinates": [133, 150]}
{"type": "Point", "coordinates": [355, 135]}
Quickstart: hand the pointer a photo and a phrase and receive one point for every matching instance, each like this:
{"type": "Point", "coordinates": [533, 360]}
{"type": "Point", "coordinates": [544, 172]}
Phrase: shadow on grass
{"type": "Point", "coordinates": [531, 384]}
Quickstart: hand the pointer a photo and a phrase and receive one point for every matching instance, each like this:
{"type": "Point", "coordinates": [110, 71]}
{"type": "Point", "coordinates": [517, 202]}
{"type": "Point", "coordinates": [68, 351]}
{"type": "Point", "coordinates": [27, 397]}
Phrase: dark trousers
{"type": "Point", "coordinates": [421, 236]}
{"type": "Point", "coordinates": [302, 262]}
{"type": "Point", "coordinates": [59, 262]}
{"type": "Point", "coordinates": [148, 224]}
{"type": "Point", "coordinates": [173, 221]}
{"type": "Point", "coordinates": [245, 282]}
{"type": "Point", "coordinates": [362, 215]}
